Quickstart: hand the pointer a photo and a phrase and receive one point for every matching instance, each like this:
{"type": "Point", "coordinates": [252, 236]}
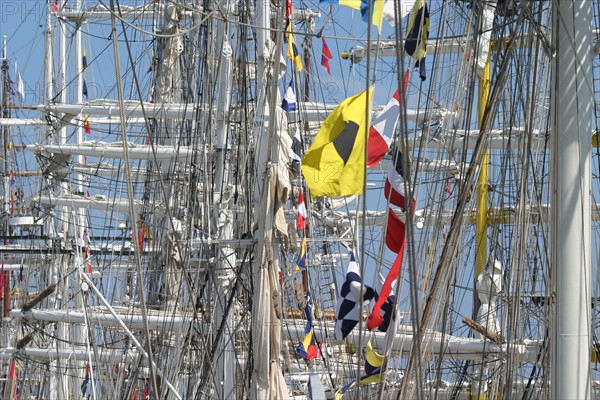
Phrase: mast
{"type": "Point", "coordinates": [571, 223]}
{"type": "Point", "coordinates": [266, 379]}
{"type": "Point", "coordinates": [223, 215]}
{"type": "Point", "coordinates": [5, 172]}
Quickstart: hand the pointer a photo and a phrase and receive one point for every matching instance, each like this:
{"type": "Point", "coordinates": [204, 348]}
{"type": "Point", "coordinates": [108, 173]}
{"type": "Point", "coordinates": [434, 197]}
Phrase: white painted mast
{"type": "Point", "coordinates": [571, 175]}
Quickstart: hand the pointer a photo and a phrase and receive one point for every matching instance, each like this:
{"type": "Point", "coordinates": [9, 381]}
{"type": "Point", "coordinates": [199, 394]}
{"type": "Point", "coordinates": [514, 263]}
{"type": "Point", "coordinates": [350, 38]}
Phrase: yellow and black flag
{"type": "Point", "coordinates": [84, 60]}
{"type": "Point", "coordinates": [417, 32]}
{"type": "Point", "coordinates": [334, 165]}
{"type": "Point", "coordinates": [417, 35]}
{"type": "Point", "coordinates": [292, 51]}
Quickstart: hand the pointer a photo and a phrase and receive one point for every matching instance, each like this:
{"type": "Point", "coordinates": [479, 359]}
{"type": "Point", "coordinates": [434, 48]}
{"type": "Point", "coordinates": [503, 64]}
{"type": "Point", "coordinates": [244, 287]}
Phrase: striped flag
{"type": "Point", "coordinates": [348, 313]}
{"type": "Point", "coordinates": [384, 125]}
{"type": "Point", "coordinates": [301, 221]}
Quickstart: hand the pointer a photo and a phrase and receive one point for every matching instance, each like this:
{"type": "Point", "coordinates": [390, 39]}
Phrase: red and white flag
{"type": "Point", "coordinates": [301, 221]}
{"type": "Point", "coordinates": [395, 191]}
{"type": "Point", "coordinates": [383, 127]}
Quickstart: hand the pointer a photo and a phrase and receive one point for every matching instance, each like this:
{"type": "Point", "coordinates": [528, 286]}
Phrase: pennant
{"type": "Point", "coordinates": [84, 90]}
{"type": "Point", "coordinates": [292, 51]}
{"type": "Point", "coordinates": [86, 124]}
{"type": "Point", "coordinates": [373, 13]}
{"type": "Point", "coordinates": [376, 319]}
{"type": "Point", "coordinates": [334, 165]}
{"type": "Point", "coordinates": [301, 221]}
{"type": "Point", "coordinates": [325, 55]}
{"type": "Point", "coordinates": [348, 313]}
{"type": "Point", "coordinates": [306, 349]}
{"type": "Point", "coordinates": [20, 85]}
{"type": "Point", "coordinates": [384, 125]}
{"type": "Point", "coordinates": [301, 261]}
{"type": "Point", "coordinates": [289, 98]}
{"type": "Point", "coordinates": [418, 31]}
{"type": "Point", "coordinates": [355, 4]}
{"type": "Point", "coordinates": [84, 60]}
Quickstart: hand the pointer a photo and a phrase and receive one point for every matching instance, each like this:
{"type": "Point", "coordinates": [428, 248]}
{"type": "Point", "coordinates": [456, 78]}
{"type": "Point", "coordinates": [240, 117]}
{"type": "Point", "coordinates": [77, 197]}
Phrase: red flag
{"type": "Point", "coordinates": [86, 124]}
{"type": "Point", "coordinates": [301, 221]}
{"type": "Point", "coordinates": [146, 393]}
{"type": "Point", "coordinates": [325, 56]}
{"type": "Point", "coordinates": [384, 125]}
{"type": "Point", "coordinates": [13, 376]}
{"type": "Point", "coordinates": [375, 318]}
{"type": "Point", "coordinates": [394, 237]}
{"type": "Point", "coordinates": [288, 10]}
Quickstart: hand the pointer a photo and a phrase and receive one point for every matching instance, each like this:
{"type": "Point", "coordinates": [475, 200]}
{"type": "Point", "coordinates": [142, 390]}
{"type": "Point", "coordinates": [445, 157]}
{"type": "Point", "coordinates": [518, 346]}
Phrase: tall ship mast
{"type": "Point", "coordinates": [307, 200]}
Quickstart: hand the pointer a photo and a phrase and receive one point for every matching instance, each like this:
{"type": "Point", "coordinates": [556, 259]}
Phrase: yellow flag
{"type": "Point", "coordinates": [334, 165]}
{"type": "Point", "coordinates": [373, 366]}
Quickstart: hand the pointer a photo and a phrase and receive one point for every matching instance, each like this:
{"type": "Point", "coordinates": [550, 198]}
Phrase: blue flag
{"type": "Point", "coordinates": [289, 98]}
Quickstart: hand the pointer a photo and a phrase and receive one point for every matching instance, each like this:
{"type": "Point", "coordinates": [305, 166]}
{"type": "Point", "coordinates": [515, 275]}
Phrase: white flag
{"type": "Point", "coordinates": [389, 10]}
{"type": "Point", "coordinates": [20, 85]}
